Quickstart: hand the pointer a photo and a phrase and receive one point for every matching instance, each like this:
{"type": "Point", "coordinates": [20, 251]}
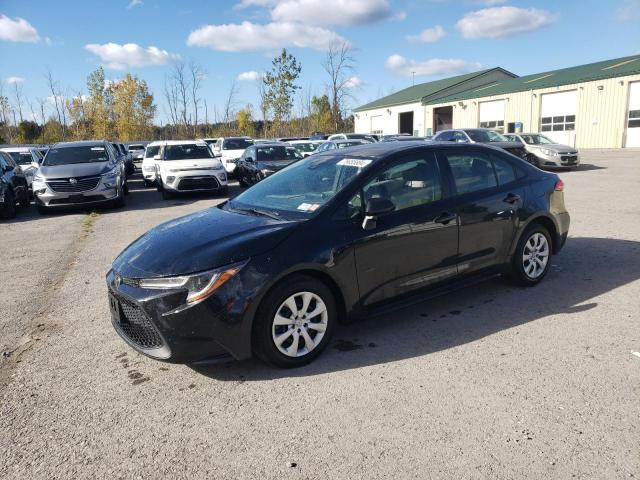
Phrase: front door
{"type": "Point", "coordinates": [488, 196]}
{"type": "Point", "coordinates": [416, 245]}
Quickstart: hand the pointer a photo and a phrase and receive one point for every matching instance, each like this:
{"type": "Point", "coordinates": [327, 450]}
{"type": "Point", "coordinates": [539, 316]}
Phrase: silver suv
{"type": "Point", "coordinates": [80, 174]}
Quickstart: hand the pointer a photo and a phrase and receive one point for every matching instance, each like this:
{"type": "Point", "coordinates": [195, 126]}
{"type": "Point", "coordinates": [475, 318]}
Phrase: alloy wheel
{"type": "Point", "coordinates": [535, 255]}
{"type": "Point", "coordinates": [299, 324]}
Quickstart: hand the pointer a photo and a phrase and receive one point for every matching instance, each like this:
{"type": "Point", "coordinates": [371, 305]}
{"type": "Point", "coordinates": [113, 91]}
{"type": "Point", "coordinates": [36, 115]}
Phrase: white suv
{"type": "Point", "coordinates": [230, 149]}
{"type": "Point", "coordinates": [188, 166]}
{"type": "Point", "coordinates": [149, 163]}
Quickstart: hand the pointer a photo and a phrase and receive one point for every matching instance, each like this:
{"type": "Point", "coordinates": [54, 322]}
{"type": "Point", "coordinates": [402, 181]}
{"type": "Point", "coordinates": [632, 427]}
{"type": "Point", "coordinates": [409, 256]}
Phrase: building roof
{"type": "Point", "coordinates": [617, 67]}
{"type": "Point", "coordinates": [418, 92]}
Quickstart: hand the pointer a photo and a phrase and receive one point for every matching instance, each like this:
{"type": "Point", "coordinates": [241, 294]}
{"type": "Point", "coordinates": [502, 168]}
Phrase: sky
{"type": "Point", "coordinates": [234, 40]}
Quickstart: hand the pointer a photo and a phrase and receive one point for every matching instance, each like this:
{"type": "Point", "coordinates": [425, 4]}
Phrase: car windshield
{"type": "Point", "coordinates": [299, 190]}
{"type": "Point", "coordinates": [152, 151]}
{"type": "Point", "coordinates": [21, 158]}
{"type": "Point", "coordinates": [306, 147]}
{"type": "Point", "coordinates": [136, 147]}
{"type": "Point", "coordinates": [271, 154]}
{"type": "Point", "coordinates": [187, 151]}
{"type": "Point", "coordinates": [72, 155]}
{"type": "Point", "coordinates": [485, 136]}
{"type": "Point", "coordinates": [345, 144]}
{"type": "Point", "coordinates": [537, 140]}
{"type": "Point", "coordinates": [236, 143]}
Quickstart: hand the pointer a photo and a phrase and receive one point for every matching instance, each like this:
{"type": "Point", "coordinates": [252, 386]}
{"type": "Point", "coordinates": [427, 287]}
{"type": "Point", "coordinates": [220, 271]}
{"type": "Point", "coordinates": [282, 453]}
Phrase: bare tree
{"type": "Point", "coordinates": [171, 96]}
{"type": "Point", "coordinates": [338, 63]}
{"type": "Point", "coordinates": [42, 102]}
{"type": "Point", "coordinates": [197, 75]}
{"type": "Point", "coordinates": [230, 103]}
{"type": "Point", "coordinates": [17, 93]}
{"type": "Point", "coordinates": [264, 105]}
{"type": "Point", "coordinates": [182, 88]}
{"type": "Point", "coordinates": [58, 101]}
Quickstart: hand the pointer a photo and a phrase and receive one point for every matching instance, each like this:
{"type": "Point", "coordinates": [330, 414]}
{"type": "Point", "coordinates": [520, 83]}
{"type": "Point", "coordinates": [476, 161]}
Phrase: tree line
{"type": "Point", "coordinates": [125, 109]}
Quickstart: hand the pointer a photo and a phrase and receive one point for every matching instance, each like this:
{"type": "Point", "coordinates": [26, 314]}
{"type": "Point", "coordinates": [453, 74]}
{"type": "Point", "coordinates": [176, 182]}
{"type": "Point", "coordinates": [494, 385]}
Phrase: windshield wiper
{"type": "Point", "coordinates": [262, 213]}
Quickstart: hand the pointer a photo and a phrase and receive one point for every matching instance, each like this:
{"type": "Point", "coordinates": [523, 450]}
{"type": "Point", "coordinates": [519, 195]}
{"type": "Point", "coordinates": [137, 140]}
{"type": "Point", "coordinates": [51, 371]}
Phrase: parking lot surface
{"type": "Point", "coordinates": [489, 382]}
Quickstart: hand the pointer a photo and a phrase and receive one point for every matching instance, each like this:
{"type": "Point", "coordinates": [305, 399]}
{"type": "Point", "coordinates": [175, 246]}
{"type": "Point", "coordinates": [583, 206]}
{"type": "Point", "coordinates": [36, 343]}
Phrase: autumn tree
{"type": "Point", "coordinates": [133, 108]}
{"type": "Point", "coordinates": [321, 117]}
{"type": "Point", "coordinates": [245, 121]}
{"type": "Point", "coordinates": [338, 64]}
{"type": "Point", "coordinates": [98, 105]}
{"type": "Point", "coordinates": [280, 86]}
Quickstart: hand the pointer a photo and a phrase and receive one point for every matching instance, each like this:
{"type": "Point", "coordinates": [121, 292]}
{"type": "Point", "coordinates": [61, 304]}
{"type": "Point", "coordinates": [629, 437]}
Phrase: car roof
{"type": "Point", "coordinates": [156, 143]}
{"type": "Point", "coordinates": [181, 142]}
{"type": "Point", "coordinates": [18, 149]}
{"type": "Point", "coordinates": [81, 143]}
{"type": "Point", "coordinates": [271, 144]}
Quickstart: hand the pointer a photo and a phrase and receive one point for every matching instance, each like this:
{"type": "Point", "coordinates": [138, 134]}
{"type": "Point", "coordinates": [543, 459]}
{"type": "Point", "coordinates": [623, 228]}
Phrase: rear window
{"type": "Point", "coordinates": [471, 171]}
{"type": "Point", "coordinates": [136, 147]}
{"type": "Point", "coordinates": [187, 151]}
{"type": "Point", "coordinates": [73, 155]}
{"type": "Point", "coordinates": [266, 154]}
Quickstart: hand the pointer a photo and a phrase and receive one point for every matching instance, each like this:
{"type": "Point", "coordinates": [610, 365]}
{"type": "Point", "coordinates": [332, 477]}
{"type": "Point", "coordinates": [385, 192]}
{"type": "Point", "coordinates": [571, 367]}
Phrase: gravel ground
{"type": "Point", "coordinates": [490, 382]}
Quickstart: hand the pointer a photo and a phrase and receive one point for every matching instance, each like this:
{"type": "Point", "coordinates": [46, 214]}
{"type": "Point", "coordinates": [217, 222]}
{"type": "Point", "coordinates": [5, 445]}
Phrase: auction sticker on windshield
{"type": "Point", "coordinates": [308, 207]}
{"type": "Point", "coordinates": [354, 162]}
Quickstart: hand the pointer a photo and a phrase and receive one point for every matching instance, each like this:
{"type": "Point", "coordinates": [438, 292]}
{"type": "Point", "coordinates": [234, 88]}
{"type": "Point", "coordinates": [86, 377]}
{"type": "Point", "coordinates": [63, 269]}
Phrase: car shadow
{"type": "Point", "coordinates": [586, 269]}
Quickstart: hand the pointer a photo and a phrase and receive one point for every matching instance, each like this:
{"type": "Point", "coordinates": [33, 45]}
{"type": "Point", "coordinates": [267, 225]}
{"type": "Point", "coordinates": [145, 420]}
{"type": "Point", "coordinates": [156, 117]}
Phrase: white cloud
{"type": "Point", "coordinates": [134, 3]}
{"type": "Point", "coordinates": [500, 22]}
{"type": "Point", "coordinates": [18, 30]}
{"type": "Point", "coordinates": [12, 80]}
{"type": "Point", "coordinates": [488, 3]}
{"type": "Point", "coordinates": [250, 76]}
{"type": "Point", "coordinates": [249, 36]}
{"type": "Point", "coordinates": [429, 68]}
{"type": "Point", "coordinates": [353, 82]}
{"type": "Point", "coordinates": [332, 12]}
{"type": "Point", "coordinates": [429, 35]}
{"type": "Point", "coordinates": [119, 57]}
{"type": "Point", "coordinates": [629, 10]}
{"type": "Point", "coordinates": [52, 100]}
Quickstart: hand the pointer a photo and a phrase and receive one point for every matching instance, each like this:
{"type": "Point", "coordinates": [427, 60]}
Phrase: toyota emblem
{"type": "Point", "coordinates": [73, 181]}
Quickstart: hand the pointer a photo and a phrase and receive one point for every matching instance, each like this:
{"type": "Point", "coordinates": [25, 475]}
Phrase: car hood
{"type": "Point", "coordinates": [275, 165]}
{"type": "Point", "coordinates": [191, 164]}
{"type": "Point", "coordinates": [75, 170]}
{"type": "Point", "coordinates": [554, 147]}
{"type": "Point", "coordinates": [232, 153]}
{"type": "Point", "coordinates": [506, 145]}
{"type": "Point", "coordinates": [198, 242]}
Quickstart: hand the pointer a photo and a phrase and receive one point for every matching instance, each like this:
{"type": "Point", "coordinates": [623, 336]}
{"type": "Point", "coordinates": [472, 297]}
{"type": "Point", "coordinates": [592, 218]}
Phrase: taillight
{"type": "Point", "coordinates": [559, 186]}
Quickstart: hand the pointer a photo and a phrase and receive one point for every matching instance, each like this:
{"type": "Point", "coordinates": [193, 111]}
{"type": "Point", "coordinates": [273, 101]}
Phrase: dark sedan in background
{"type": "Point", "coordinates": [13, 186]}
{"type": "Point", "coordinates": [264, 159]}
{"type": "Point", "coordinates": [336, 236]}
{"type": "Point", "coordinates": [484, 136]}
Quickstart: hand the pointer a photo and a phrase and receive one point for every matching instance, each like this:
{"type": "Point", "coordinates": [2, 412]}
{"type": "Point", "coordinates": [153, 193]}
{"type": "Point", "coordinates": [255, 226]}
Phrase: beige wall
{"type": "Point", "coordinates": [600, 114]}
{"type": "Point", "coordinates": [390, 121]}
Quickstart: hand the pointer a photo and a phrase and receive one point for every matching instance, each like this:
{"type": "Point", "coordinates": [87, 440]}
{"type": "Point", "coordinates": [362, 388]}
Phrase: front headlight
{"type": "Point", "coordinates": [149, 168]}
{"type": "Point", "coordinates": [110, 178]}
{"type": "Point", "coordinates": [550, 153]}
{"type": "Point", "coordinates": [199, 286]}
{"type": "Point", "coordinates": [266, 171]}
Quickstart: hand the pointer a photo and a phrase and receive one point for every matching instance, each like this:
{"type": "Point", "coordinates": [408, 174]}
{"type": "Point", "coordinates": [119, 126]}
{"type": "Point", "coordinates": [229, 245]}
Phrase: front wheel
{"type": "Point", "coordinates": [295, 322]}
{"type": "Point", "coordinates": [531, 259]}
{"type": "Point", "coordinates": [9, 206]}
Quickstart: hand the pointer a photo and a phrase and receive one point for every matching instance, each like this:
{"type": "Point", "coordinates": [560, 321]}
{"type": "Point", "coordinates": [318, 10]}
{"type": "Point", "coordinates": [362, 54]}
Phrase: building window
{"type": "Point", "coordinates": [558, 124]}
{"type": "Point", "coordinates": [634, 119]}
{"type": "Point", "coordinates": [494, 124]}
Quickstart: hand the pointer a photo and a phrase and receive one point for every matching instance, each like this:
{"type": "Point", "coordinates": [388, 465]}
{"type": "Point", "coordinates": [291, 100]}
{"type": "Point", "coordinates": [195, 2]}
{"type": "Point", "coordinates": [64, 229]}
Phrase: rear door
{"type": "Point", "coordinates": [416, 245]}
{"type": "Point", "coordinates": [488, 197]}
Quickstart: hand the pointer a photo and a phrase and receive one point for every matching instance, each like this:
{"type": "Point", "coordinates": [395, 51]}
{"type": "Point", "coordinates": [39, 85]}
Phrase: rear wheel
{"type": "Point", "coordinates": [9, 206]}
{"type": "Point", "coordinates": [294, 322]}
{"type": "Point", "coordinates": [24, 200]}
{"type": "Point", "coordinates": [532, 257]}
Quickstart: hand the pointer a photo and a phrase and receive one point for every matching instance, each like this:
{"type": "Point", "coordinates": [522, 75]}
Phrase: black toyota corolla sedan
{"type": "Point", "coordinates": [336, 236]}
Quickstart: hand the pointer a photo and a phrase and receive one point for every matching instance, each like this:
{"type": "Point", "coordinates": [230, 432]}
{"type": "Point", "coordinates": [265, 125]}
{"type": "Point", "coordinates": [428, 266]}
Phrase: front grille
{"type": "Point", "coordinates": [137, 327]}
{"type": "Point", "coordinates": [569, 158]}
{"type": "Point", "coordinates": [73, 200]}
{"type": "Point", "coordinates": [81, 184]}
{"type": "Point", "coordinates": [198, 183]}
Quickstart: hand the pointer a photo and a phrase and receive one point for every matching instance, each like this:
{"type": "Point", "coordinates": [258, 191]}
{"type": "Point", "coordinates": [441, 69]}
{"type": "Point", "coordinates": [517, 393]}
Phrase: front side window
{"type": "Point", "coordinates": [268, 154]}
{"type": "Point", "coordinates": [484, 136]}
{"type": "Point", "coordinates": [472, 171]}
{"type": "Point", "coordinates": [410, 183]}
{"type": "Point", "coordinates": [444, 137]}
{"type": "Point", "coordinates": [460, 137]}
{"type": "Point", "coordinates": [187, 151]}
{"type": "Point", "coordinates": [537, 140]}
{"type": "Point", "coordinates": [152, 151]}
{"type": "Point", "coordinates": [236, 143]}
{"type": "Point", "coordinates": [72, 155]}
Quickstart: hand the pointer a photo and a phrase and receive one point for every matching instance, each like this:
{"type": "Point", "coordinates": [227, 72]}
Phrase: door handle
{"type": "Point", "coordinates": [511, 198]}
{"type": "Point", "coordinates": [445, 217]}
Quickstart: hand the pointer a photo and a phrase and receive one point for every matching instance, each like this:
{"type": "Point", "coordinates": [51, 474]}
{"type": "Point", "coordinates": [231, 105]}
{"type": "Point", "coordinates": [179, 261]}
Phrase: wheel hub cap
{"type": "Point", "coordinates": [535, 255]}
{"type": "Point", "coordinates": [299, 324]}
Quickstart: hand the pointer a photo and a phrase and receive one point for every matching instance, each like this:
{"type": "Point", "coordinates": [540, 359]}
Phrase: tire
{"type": "Point", "coordinates": [25, 201]}
{"type": "Point", "coordinates": [148, 184]}
{"type": "Point", "coordinates": [120, 201]}
{"type": "Point", "coordinates": [9, 206]}
{"type": "Point", "coordinates": [166, 195]}
{"type": "Point", "coordinates": [297, 288]}
{"type": "Point", "coordinates": [125, 188]}
{"type": "Point", "coordinates": [42, 210]}
{"type": "Point", "coordinates": [223, 192]}
{"type": "Point", "coordinates": [535, 243]}
{"type": "Point", "coordinates": [242, 183]}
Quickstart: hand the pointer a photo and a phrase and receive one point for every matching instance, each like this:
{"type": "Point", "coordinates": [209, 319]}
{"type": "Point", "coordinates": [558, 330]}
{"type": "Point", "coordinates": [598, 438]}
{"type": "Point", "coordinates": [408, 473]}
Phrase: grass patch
{"type": "Point", "coordinates": [87, 224]}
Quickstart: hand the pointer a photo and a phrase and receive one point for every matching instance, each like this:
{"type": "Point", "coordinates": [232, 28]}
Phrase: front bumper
{"type": "Point", "coordinates": [157, 324]}
{"type": "Point", "coordinates": [557, 161]}
{"type": "Point", "coordinates": [194, 182]}
{"type": "Point", "coordinates": [50, 198]}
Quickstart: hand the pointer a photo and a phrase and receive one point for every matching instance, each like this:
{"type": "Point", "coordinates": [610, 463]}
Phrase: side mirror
{"type": "Point", "coordinates": [376, 207]}
{"type": "Point", "coordinates": [8, 168]}
{"type": "Point", "coordinates": [35, 165]}
{"type": "Point", "coordinates": [157, 157]}
{"type": "Point", "coordinates": [248, 159]}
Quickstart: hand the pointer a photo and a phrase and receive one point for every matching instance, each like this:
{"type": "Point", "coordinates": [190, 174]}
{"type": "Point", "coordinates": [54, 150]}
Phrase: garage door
{"type": "Point", "coordinates": [492, 115]}
{"type": "Point", "coordinates": [377, 125]}
{"type": "Point", "coordinates": [558, 116]}
{"type": "Point", "coordinates": [633, 117]}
